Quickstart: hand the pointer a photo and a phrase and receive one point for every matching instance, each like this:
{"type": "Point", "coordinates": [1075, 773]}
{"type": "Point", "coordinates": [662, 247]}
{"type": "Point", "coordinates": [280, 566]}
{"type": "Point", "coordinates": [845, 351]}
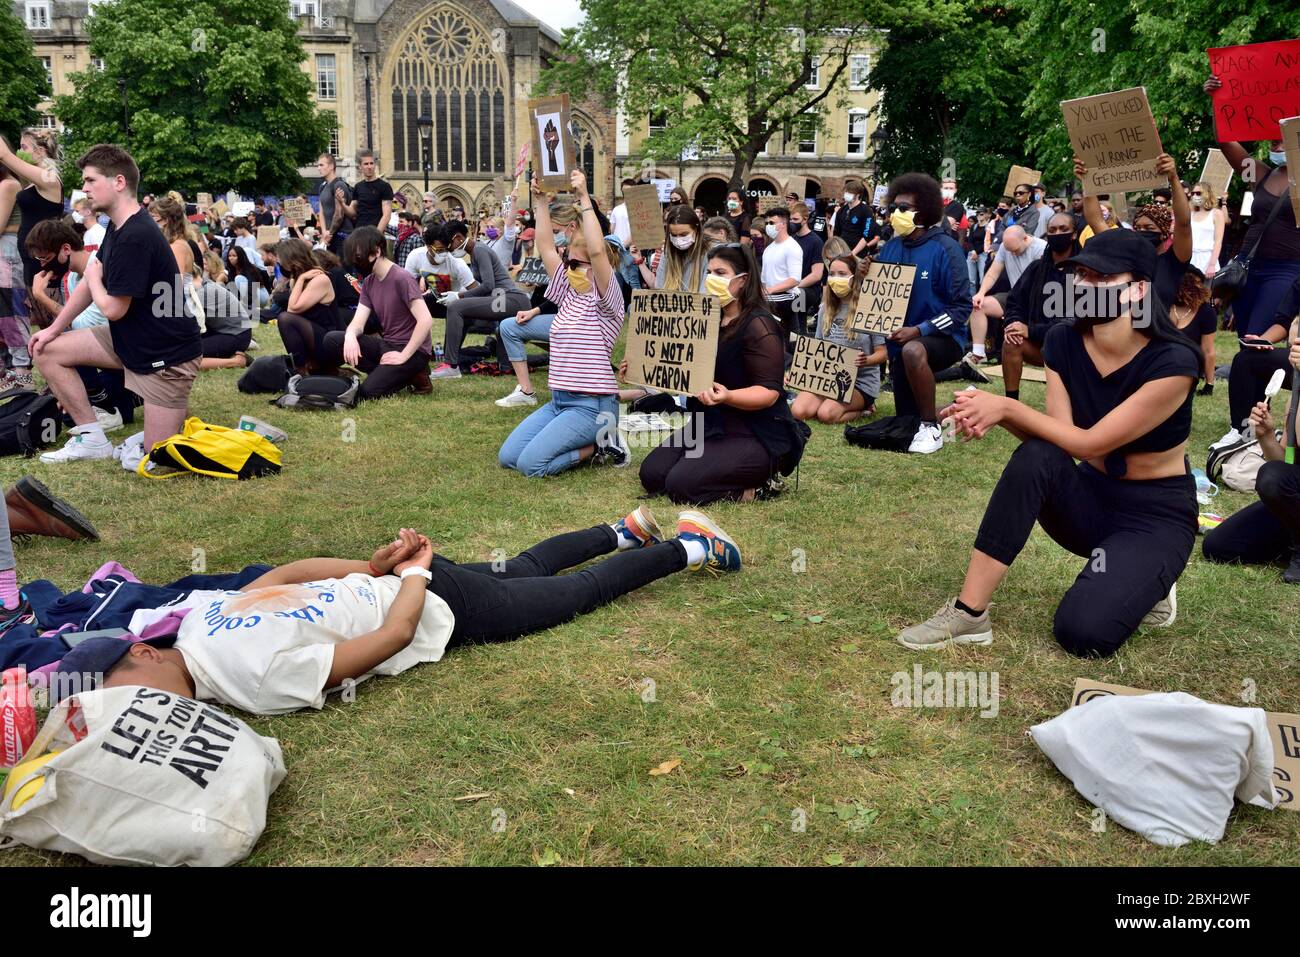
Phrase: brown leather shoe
{"type": "Point", "coordinates": [422, 384]}
{"type": "Point", "coordinates": [33, 510]}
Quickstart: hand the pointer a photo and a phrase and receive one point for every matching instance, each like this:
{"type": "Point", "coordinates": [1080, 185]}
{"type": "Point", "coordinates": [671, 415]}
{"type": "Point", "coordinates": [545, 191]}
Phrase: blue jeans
{"type": "Point", "coordinates": [514, 334]}
{"type": "Point", "coordinates": [547, 442]}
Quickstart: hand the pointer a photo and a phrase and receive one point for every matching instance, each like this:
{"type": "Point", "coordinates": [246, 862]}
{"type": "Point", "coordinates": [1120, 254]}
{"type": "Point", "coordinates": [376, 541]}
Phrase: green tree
{"type": "Point", "coordinates": [23, 83]}
{"type": "Point", "coordinates": [215, 95]}
{"type": "Point", "coordinates": [1106, 45]}
{"type": "Point", "coordinates": [725, 72]}
{"type": "Point", "coordinates": [948, 103]}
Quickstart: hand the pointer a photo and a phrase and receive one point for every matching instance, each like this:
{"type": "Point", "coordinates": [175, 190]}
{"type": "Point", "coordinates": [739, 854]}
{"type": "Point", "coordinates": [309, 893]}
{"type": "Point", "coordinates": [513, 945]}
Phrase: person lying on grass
{"type": "Point", "coordinates": [279, 643]}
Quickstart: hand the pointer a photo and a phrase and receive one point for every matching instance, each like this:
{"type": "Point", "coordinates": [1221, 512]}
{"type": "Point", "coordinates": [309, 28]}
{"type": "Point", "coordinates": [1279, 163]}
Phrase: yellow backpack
{"type": "Point", "coordinates": [212, 450]}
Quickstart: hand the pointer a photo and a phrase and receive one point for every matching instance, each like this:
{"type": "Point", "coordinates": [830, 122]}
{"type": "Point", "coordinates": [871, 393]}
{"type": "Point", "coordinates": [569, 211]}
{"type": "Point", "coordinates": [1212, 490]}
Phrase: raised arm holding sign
{"type": "Point", "coordinates": [1259, 87]}
{"type": "Point", "coordinates": [1115, 135]}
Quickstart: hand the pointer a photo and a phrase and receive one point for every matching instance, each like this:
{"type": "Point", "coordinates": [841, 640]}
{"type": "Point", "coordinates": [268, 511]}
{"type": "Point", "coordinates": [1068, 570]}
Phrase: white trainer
{"type": "Point", "coordinates": [79, 447]}
{"type": "Point", "coordinates": [928, 439]}
{"type": "Point", "coordinates": [1165, 610]}
{"type": "Point", "coordinates": [518, 397]}
{"type": "Point", "coordinates": [1230, 437]}
{"type": "Point", "coordinates": [108, 421]}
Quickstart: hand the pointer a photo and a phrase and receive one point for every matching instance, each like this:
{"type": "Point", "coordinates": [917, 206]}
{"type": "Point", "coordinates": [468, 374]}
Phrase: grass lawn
{"type": "Point", "coordinates": [771, 687]}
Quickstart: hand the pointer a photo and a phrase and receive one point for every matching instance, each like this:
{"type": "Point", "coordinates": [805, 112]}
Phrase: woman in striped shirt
{"type": "Point", "coordinates": [583, 411]}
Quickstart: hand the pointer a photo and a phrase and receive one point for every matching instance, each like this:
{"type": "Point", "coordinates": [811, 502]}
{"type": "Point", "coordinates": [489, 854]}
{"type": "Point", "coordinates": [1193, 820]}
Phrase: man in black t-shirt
{"type": "Point", "coordinates": [149, 334]}
{"type": "Point", "coordinates": [851, 221]}
{"type": "Point", "coordinates": [810, 285]}
{"type": "Point", "coordinates": [373, 200]}
{"type": "Point", "coordinates": [261, 215]}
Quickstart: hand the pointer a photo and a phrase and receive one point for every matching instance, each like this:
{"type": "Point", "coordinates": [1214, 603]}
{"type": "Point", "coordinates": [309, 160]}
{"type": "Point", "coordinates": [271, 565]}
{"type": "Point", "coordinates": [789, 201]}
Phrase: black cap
{"type": "Point", "coordinates": [93, 658]}
{"type": "Point", "coordinates": [1115, 251]}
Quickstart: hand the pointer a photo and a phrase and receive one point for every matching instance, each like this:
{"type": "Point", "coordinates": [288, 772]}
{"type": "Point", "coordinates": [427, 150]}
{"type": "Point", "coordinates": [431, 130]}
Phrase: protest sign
{"type": "Point", "coordinates": [552, 140]}
{"type": "Point", "coordinates": [1291, 143]}
{"type": "Point", "coordinates": [765, 203]}
{"type": "Point", "coordinates": [878, 198]}
{"type": "Point", "coordinates": [1218, 172]}
{"type": "Point", "coordinates": [823, 368]}
{"type": "Point", "coordinates": [882, 303]}
{"type": "Point", "coordinates": [533, 272]}
{"type": "Point", "coordinates": [1283, 728]}
{"type": "Point", "coordinates": [1116, 137]}
{"type": "Point", "coordinates": [296, 212]}
{"type": "Point", "coordinates": [204, 200]}
{"type": "Point", "coordinates": [833, 188]}
{"type": "Point", "coordinates": [521, 163]}
{"type": "Point", "coordinates": [672, 340]}
{"type": "Point", "coordinates": [665, 188]}
{"type": "Point", "coordinates": [268, 235]}
{"type": "Point", "coordinates": [1020, 176]}
{"type": "Point", "coordinates": [1260, 88]}
{"type": "Point", "coordinates": [798, 185]}
{"type": "Point", "coordinates": [219, 208]}
{"type": "Point", "coordinates": [645, 216]}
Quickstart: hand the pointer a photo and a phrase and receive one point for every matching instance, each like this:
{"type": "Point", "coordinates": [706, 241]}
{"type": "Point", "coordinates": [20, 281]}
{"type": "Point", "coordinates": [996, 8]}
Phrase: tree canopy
{"type": "Point", "coordinates": [23, 83]}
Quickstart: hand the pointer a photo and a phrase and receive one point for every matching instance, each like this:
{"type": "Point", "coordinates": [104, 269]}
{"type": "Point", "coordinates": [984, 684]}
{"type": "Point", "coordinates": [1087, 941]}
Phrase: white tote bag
{"type": "Point", "coordinates": [1164, 765]}
{"type": "Point", "coordinates": [143, 776]}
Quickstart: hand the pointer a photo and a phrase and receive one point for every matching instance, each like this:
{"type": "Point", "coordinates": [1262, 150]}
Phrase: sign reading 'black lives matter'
{"type": "Point", "coordinates": [672, 341]}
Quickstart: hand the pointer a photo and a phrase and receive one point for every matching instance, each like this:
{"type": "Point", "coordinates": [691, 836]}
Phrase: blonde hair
{"type": "Point", "coordinates": [830, 302]}
{"type": "Point", "coordinates": [564, 214]}
{"type": "Point", "coordinates": [835, 248]}
{"type": "Point", "coordinates": [172, 215]}
{"type": "Point", "coordinates": [215, 268]}
{"type": "Point", "coordinates": [579, 241]}
{"type": "Point", "coordinates": [1208, 199]}
{"type": "Point", "coordinates": [47, 140]}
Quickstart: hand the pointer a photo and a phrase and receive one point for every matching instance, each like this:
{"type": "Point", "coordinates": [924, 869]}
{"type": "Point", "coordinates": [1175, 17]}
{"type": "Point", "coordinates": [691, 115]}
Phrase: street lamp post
{"type": "Point", "coordinates": [425, 122]}
{"type": "Point", "coordinates": [878, 137]}
{"type": "Point", "coordinates": [126, 116]}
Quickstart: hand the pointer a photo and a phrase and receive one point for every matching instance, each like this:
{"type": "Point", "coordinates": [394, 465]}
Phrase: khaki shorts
{"type": "Point", "coordinates": [168, 388]}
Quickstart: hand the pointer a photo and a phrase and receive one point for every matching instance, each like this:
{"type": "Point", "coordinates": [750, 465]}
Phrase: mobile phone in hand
{"type": "Point", "coordinates": [1254, 342]}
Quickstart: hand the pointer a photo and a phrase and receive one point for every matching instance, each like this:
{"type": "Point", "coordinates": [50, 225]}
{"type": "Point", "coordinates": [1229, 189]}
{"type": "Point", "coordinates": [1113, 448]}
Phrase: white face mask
{"type": "Point", "coordinates": [770, 229]}
{"type": "Point", "coordinates": [439, 258]}
{"type": "Point", "coordinates": [850, 197]}
{"type": "Point", "coordinates": [561, 238]}
{"type": "Point", "coordinates": [683, 242]}
{"type": "Point", "coordinates": [77, 217]}
{"type": "Point", "coordinates": [948, 193]}
{"type": "Point", "coordinates": [1277, 158]}
{"type": "Point", "coordinates": [1198, 201]}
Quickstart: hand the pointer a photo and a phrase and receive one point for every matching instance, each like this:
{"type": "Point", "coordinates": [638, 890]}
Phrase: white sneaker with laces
{"type": "Point", "coordinates": [1229, 437]}
{"type": "Point", "coordinates": [108, 421]}
{"type": "Point", "coordinates": [1165, 610]}
{"type": "Point", "coordinates": [928, 439]}
{"type": "Point", "coordinates": [518, 397]}
{"type": "Point", "coordinates": [79, 447]}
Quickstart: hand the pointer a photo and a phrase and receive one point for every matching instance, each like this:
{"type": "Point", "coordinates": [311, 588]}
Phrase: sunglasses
{"type": "Point", "coordinates": [1197, 192]}
{"type": "Point", "coordinates": [1021, 192]}
{"type": "Point", "coordinates": [899, 208]}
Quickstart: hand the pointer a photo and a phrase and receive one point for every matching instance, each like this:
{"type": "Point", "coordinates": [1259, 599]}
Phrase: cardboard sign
{"type": "Point", "coordinates": [672, 340]}
{"type": "Point", "coordinates": [1021, 176]}
{"type": "Point", "coordinates": [882, 303]}
{"type": "Point", "coordinates": [1291, 143]}
{"type": "Point", "coordinates": [521, 163]}
{"type": "Point", "coordinates": [1116, 137]}
{"type": "Point", "coordinates": [797, 185]}
{"type": "Point", "coordinates": [219, 208]}
{"type": "Point", "coordinates": [645, 216]}
{"type": "Point", "coordinates": [833, 188]}
{"type": "Point", "coordinates": [1218, 172]}
{"type": "Point", "coordinates": [823, 368]}
{"type": "Point", "coordinates": [765, 203]}
{"type": "Point", "coordinates": [533, 272]}
{"type": "Point", "coordinates": [552, 140]}
{"type": "Point", "coordinates": [204, 200]}
{"type": "Point", "coordinates": [878, 198]}
{"type": "Point", "coordinates": [296, 211]}
{"type": "Point", "coordinates": [1261, 87]}
{"type": "Point", "coordinates": [268, 235]}
{"type": "Point", "coordinates": [1283, 728]}
{"type": "Point", "coordinates": [665, 188]}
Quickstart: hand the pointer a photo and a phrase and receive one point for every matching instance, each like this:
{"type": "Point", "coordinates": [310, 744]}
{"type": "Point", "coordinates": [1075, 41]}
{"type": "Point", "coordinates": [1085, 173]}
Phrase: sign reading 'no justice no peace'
{"type": "Point", "coordinates": [882, 301]}
{"type": "Point", "coordinates": [672, 341]}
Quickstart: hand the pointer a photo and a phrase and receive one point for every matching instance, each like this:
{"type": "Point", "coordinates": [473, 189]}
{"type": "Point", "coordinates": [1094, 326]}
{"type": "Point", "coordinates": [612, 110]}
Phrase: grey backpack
{"type": "Point", "coordinates": [327, 392]}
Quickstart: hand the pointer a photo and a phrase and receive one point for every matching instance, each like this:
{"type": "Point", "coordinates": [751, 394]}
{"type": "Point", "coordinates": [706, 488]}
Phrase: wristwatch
{"type": "Point", "coordinates": [422, 572]}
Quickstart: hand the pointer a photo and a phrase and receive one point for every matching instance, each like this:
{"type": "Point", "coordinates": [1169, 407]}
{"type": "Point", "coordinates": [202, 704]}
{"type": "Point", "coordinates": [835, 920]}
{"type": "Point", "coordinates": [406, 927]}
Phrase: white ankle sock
{"type": "Point", "coordinates": [979, 351]}
{"type": "Point", "coordinates": [626, 541]}
{"type": "Point", "coordinates": [94, 433]}
{"type": "Point", "coordinates": [696, 553]}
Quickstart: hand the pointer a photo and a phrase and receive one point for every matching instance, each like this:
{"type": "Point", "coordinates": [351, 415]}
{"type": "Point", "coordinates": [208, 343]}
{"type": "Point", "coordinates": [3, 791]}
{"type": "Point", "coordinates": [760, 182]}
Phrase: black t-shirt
{"type": "Point", "coordinates": [956, 212]}
{"type": "Point", "coordinates": [811, 244]}
{"type": "Point", "coordinates": [264, 218]}
{"type": "Point", "coordinates": [1204, 323]}
{"type": "Point", "coordinates": [851, 222]}
{"type": "Point", "coordinates": [370, 195]}
{"type": "Point", "coordinates": [1169, 276]}
{"type": "Point", "coordinates": [155, 332]}
{"type": "Point", "coordinates": [1093, 397]}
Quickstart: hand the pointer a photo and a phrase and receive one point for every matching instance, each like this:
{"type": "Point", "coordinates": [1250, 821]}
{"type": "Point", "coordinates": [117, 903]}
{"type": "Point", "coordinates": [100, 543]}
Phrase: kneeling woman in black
{"type": "Point", "coordinates": [1129, 505]}
{"type": "Point", "coordinates": [740, 429]}
{"type": "Point", "coordinates": [311, 312]}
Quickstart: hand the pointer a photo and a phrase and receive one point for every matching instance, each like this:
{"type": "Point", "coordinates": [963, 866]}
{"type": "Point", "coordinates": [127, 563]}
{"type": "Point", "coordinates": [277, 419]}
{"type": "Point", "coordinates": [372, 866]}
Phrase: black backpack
{"type": "Point", "coordinates": [322, 392]}
{"type": "Point", "coordinates": [267, 374]}
{"type": "Point", "coordinates": [29, 420]}
{"type": "Point", "coordinates": [893, 433]}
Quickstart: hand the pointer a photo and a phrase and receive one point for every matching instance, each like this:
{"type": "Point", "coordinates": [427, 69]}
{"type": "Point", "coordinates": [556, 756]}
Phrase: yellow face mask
{"type": "Point", "coordinates": [579, 281]}
{"type": "Point", "coordinates": [840, 285]}
{"type": "Point", "coordinates": [720, 286]}
{"type": "Point", "coordinates": [904, 223]}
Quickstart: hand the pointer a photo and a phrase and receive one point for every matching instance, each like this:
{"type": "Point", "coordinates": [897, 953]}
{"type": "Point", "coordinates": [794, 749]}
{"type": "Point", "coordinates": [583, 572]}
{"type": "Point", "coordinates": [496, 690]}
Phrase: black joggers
{"type": "Point", "coordinates": [1248, 378]}
{"type": "Point", "coordinates": [500, 601]}
{"type": "Point", "coordinates": [381, 380]}
{"type": "Point", "coordinates": [1136, 536]}
{"type": "Point", "coordinates": [1265, 531]}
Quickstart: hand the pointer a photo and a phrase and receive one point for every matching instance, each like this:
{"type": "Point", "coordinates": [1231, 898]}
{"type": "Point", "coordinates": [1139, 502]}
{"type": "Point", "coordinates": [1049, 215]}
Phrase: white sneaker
{"type": "Point", "coordinates": [252, 344]}
{"type": "Point", "coordinates": [928, 439]}
{"type": "Point", "coordinates": [79, 447]}
{"type": "Point", "coordinates": [1165, 610]}
{"type": "Point", "coordinates": [1229, 438]}
{"type": "Point", "coordinates": [108, 421]}
{"type": "Point", "coordinates": [518, 397]}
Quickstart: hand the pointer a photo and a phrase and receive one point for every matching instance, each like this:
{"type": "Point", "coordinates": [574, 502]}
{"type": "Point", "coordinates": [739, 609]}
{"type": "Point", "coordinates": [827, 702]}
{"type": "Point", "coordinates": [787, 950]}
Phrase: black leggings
{"type": "Point", "coordinates": [501, 601]}
{"type": "Point", "coordinates": [1266, 530]}
{"type": "Point", "coordinates": [1136, 535]}
{"type": "Point", "coordinates": [223, 345]}
{"type": "Point", "coordinates": [724, 468]}
{"type": "Point", "coordinates": [303, 339]}
{"type": "Point", "coordinates": [381, 380]}
{"type": "Point", "coordinates": [1251, 370]}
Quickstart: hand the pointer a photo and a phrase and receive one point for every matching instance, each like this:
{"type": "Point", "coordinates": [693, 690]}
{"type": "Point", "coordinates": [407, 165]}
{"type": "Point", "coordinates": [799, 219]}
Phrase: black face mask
{"type": "Point", "coordinates": [1060, 242]}
{"type": "Point", "coordinates": [364, 267]}
{"type": "Point", "coordinates": [57, 269]}
{"type": "Point", "coordinates": [1096, 305]}
{"type": "Point", "coordinates": [1152, 236]}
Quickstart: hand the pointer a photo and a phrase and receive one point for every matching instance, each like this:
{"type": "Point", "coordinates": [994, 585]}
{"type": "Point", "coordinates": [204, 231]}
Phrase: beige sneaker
{"type": "Point", "coordinates": [1165, 611]}
{"type": "Point", "coordinates": [949, 626]}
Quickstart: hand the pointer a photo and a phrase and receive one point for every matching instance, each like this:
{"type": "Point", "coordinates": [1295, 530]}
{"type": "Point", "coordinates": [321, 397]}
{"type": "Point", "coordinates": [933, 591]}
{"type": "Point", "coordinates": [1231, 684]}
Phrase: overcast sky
{"type": "Point", "coordinates": [554, 13]}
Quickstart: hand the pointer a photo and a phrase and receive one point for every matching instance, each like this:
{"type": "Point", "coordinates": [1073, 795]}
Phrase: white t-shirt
{"type": "Point", "coordinates": [93, 237]}
{"type": "Point", "coordinates": [456, 276]}
{"type": "Point", "coordinates": [781, 261]}
{"type": "Point", "coordinates": [1015, 265]}
{"type": "Point", "coordinates": [270, 651]}
{"type": "Point", "coordinates": [619, 224]}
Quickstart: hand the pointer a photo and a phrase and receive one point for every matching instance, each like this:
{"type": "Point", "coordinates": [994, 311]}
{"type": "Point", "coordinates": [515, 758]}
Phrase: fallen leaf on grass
{"type": "Point", "coordinates": [666, 767]}
{"type": "Point", "coordinates": [816, 619]}
{"type": "Point", "coordinates": [547, 858]}
{"type": "Point", "coordinates": [834, 860]}
{"type": "Point", "coordinates": [473, 797]}
{"type": "Point", "coordinates": [850, 649]}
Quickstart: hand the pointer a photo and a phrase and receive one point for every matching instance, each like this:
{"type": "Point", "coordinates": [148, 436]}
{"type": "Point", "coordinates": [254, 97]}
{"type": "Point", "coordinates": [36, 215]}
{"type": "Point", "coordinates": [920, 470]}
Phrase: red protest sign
{"type": "Point", "coordinates": [1261, 86]}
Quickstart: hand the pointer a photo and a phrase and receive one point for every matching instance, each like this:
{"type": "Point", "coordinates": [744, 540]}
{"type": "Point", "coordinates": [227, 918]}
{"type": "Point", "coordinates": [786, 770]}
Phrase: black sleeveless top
{"type": "Point", "coordinates": [1094, 396]}
{"type": "Point", "coordinates": [35, 209]}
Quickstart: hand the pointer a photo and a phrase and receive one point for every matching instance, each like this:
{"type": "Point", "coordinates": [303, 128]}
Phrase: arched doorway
{"type": "Point", "coordinates": [711, 194]}
{"type": "Point", "coordinates": [762, 186]}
